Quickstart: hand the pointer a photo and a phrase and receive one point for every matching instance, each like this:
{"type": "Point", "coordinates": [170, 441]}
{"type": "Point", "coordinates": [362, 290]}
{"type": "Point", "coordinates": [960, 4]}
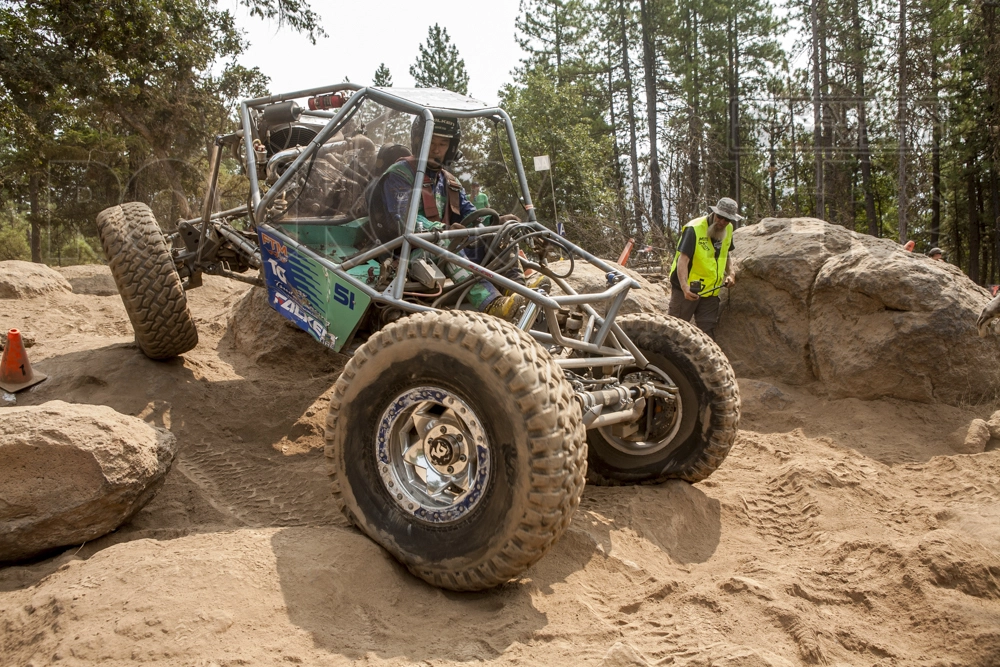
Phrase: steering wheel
{"type": "Point", "coordinates": [477, 215]}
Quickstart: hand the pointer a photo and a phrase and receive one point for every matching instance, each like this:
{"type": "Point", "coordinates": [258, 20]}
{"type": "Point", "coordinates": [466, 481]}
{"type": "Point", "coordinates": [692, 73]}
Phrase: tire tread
{"type": "Point", "coordinates": [556, 440]}
{"type": "Point", "coordinates": [717, 373]}
{"type": "Point", "coordinates": [147, 281]}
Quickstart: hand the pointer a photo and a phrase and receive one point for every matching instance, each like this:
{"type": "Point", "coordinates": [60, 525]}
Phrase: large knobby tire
{"type": "Point", "coordinates": [439, 375]}
{"type": "Point", "coordinates": [698, 441]}
{"type": "Point", "coordinates": [144, 272]}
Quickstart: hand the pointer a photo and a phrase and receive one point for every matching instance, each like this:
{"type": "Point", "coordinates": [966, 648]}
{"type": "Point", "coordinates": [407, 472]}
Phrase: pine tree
{"type": "Point", "coordinates": [383, 79]}
{"type": "Point", "coordinates": [553, 34]}
{"type": "Point", "coordinates": [438, 65]}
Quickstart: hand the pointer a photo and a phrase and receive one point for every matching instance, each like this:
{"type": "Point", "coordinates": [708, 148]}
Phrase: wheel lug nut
{"type": "Point", "coordinates": [459, 437]}
{"type": "Point", "coordinates": [444, 429]}
{"type": "Point", "coordinates": [451, 469]}
{"type": "Point", "coordinates": [463, 458]}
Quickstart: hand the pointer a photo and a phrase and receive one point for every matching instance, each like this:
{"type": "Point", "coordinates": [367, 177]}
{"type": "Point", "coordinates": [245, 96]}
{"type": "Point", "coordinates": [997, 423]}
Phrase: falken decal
{"type": "Point", "coordinates": [286, 305]}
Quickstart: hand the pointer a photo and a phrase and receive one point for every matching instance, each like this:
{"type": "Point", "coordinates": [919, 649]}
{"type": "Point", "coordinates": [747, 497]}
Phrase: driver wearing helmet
{"type": "Point", "coordinates": [443, 203]}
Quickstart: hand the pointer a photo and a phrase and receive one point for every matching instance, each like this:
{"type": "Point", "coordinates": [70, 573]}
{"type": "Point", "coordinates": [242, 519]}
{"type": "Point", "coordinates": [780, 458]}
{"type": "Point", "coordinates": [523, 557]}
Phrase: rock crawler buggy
{"type": "Point", "coordinates": [457, 441]}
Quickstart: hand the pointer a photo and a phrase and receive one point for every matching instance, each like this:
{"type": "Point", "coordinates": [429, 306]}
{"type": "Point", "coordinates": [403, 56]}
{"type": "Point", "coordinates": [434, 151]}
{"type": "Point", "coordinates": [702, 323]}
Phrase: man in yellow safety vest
{"type": "Point", "coordinates": [701, 266]}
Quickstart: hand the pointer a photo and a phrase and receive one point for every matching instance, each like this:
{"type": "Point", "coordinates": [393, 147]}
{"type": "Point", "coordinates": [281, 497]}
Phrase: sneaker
{"type": "Point", "coordinates": [505, 307]}
{"type": "Point", "coordinates": [536, 281]}
{"type": "Point", "coordinates": [539, 281]}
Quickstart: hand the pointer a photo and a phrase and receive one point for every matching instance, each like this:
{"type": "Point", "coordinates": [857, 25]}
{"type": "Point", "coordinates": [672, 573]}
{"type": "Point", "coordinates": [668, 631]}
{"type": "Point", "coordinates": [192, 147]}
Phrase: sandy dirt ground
{"type": "Point", "coordinates": [838, 532]}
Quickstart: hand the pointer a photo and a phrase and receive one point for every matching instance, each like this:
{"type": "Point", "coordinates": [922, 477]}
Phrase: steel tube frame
{"type": "Point", "coordinates": [237, 212]}
{"type": "Point", "coordinates": [399, 284]}
{"type": "Point", "coordinates": [558, 339]}
{"type": "Point", "coordinates": [588, 362]}
{"type": "Point", "coordinates": [214, 161]}
{"type": "Point", "coordinates": [253, 252]}
{"type": "Point", "coordinates": [607, 356]}
{"type": "Point", "coordinates": [306, 154]}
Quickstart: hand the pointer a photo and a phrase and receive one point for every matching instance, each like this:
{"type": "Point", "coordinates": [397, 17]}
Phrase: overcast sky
{"type": "Point", "coordinates": [364, 34]}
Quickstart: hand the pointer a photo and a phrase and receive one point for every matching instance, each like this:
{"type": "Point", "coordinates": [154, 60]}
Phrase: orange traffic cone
{"type": "Point", "coordinates": [15, 371]}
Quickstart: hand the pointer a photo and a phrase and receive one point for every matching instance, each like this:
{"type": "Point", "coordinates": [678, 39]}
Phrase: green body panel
{"type": "Point", "coordinates": [327, 307]}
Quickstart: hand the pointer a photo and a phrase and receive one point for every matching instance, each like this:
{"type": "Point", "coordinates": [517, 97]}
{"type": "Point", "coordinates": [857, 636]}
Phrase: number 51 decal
{"type": "Point", "coordinates": [343, 296]}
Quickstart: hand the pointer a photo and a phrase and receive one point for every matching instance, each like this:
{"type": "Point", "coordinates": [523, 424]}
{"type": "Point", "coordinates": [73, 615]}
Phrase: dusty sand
{"type": "Point", "coordinates": [838, 532]}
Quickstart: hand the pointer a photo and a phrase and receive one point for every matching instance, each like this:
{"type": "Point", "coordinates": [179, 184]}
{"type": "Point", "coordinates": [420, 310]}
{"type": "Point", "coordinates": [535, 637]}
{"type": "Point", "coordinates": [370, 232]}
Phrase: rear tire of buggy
{"type": "Point", "coordinates": [709, 401]}
{"type": "Point", "coordinates": [147, 281]}
{"type": "Point", "coordinates": [532, 447]}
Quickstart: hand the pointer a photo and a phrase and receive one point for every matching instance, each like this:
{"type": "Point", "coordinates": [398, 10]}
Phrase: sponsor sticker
{"type": "Point", "coordinates": [275, 247]}
{"type": "Point", "coordinates": [304, 318]}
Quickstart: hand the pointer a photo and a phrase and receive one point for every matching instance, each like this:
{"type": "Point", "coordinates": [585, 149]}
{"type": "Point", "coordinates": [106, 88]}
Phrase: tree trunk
{"type": "Point", "coordinates": [734, 102]}
{"type": "Point", "coordinates": [35, 214]}
{"type": "Point", "coordinates": [903, 204]}
{"type": "Point", "coordinates": [864, 151]}
{"type": "Point", "coordinates": [649, 65]}
{"type": "Point", "coordinates": [936, 182]}
{"type": "Point", "coordinates": [985, 235]}
{"type": "Point", "coordinates": [795, 157]}
{"type": "Point", "coordinates": [772, 159]}
{"type": "Point", "coordinates": [974, 230]}
{"type": "Point", "coordinates": [633, 150]}
{"type": "Point", "coordinates": [830, 172]}
{"type": "Point", "coordinates": [694, 114]}
{"type": "Point", "coordinates": [956, 234]}
{"type": "Point", "coordinates": [619, 177]}
{"type": "Point", "coordinates": [817, 115]}
{"type": "Point", "coordinates": [995, 211]}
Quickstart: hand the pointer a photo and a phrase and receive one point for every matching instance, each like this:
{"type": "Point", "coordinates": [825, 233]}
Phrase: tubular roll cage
{"type": "Point", "coordinates": [609, 347]}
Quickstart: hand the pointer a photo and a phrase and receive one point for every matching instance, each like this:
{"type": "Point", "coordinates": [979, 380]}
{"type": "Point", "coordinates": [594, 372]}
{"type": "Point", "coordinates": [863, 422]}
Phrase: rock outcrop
{"type": "Point", "coordinates": [94, 279]}
{"type": "Point", "coordinates": [71, 473]}
{"type": "Point", "coordinates": [814, 301]}
{"type": "Point", "coordinates": [259, 333]}
{"type": "Point", "coordinates": [23, 280]}
{"type": "Point", "coordinates": [975, 440]}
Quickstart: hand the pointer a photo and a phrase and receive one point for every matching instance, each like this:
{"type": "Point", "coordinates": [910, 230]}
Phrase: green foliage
{"type": "Point", "coordinates": [438, 65]}
{"type": "Point", "coordinates": [14, 242]}
{"type": "Point", "coordinates": [735, 111]}
{"type": "Point", "coordinates": [103, 101]}
{"type": "Point", "coordinates": [78, 250]}
{"type": "Point", "coordinates": [294, 13]}
{"type": "Point", "coordinates": [553, 34]}
{"type": "Point", "coordinates": [383, 78]}
{"type": "Point", "coordinates": [580, 155]}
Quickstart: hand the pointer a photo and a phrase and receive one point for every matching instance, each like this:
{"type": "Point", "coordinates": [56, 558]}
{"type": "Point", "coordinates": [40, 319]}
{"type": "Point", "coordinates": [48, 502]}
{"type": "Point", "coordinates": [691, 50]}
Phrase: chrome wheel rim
{"type": "Point", "coordinates": [433, 455]}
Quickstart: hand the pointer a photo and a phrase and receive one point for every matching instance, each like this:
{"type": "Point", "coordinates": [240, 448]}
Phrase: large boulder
{"type": "Point", "coordinates": [94, 279]}
{"type": "Point", "coordinates": [71, 473]}
{"type": "Point", "coordinates": [588, 279]}
{"type": "Point", "coordinates": [817, 302]}
{"type": "Point", "coordinates": [23, 280]}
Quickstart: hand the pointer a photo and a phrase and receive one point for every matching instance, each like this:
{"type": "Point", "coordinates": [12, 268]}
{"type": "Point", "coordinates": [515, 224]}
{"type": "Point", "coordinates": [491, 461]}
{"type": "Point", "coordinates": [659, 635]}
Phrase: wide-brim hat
{"type": "Point", "coordinates": [727, 208]}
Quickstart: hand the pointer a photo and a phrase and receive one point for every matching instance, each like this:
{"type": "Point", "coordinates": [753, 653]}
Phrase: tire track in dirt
{"type": "Point", "coordinates": [261, 491]}
{"type": "Point", "coordinates": [786, 513]}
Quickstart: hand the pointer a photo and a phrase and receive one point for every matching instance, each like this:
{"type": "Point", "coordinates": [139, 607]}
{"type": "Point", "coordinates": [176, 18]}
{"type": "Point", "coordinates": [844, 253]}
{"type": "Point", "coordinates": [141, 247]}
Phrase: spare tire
{"type": "Point", "coordinates": [147, 281]}
{"type": "Point", "coordinates": [690, 436]}
{"type": "Point", "coordinates": [455, 443]}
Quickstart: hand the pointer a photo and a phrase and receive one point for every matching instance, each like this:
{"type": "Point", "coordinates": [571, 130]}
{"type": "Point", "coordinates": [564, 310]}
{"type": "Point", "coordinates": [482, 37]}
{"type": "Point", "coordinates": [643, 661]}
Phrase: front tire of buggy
{"type": "Point", "coordinates": [147, 281]}
{"type": "Point", "coordinates": [708, 412]}
{"type": "Point", "coordinates": [454, 442]}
